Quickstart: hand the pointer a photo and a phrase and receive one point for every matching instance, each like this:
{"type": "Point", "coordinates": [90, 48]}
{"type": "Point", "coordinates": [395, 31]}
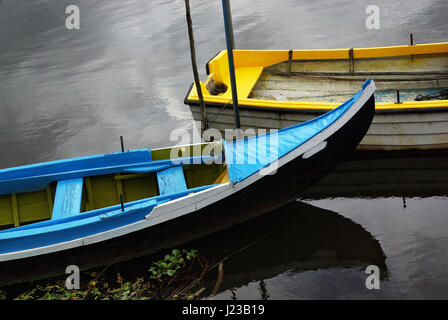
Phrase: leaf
{"type": "Point", "coordinates": [171, 272]}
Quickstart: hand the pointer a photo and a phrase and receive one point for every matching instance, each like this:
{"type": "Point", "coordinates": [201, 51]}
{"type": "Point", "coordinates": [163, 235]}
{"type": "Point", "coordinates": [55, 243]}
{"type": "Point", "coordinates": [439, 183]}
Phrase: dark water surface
{"type": "Point", "coordinates": [126, 71]}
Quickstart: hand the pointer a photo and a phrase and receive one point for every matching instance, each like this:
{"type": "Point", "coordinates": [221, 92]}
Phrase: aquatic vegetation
{"type": "Point", "coordinates": [177, 276]}
{"type": "Point", "coordinates": [171, 264]}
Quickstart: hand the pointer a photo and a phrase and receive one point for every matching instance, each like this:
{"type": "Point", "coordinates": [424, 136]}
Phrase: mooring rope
{"type": "Point", "coordinates": [220, 110]}
{"type": "Point", "coordinates": [441, 95]}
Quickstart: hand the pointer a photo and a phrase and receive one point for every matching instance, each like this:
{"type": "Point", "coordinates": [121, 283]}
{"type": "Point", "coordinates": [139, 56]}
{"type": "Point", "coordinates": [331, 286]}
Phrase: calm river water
{"type": "Point", "coordinates": [126, 71]}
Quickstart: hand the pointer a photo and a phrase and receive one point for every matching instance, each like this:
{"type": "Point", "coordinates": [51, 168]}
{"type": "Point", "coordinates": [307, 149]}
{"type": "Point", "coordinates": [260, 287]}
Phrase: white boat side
{"type": "Point", "coordinates": [392, 131]}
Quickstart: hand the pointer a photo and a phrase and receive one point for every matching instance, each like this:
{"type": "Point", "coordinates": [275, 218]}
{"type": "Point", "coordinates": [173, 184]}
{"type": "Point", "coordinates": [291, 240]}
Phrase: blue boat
{"type": "Point", "coordinates": [84, 205]}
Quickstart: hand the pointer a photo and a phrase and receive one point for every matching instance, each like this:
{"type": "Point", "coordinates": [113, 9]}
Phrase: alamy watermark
{"type": "Point", "coordinates": [373, 18]}
{"type": "Point", "coordinates": [242, 147]}
{"type": "Point", "coordinates": [73, 21]}
{"type": "Point", "coordinates": [73, 280]}
{"type": "Point", "coordinates": [373, 280]}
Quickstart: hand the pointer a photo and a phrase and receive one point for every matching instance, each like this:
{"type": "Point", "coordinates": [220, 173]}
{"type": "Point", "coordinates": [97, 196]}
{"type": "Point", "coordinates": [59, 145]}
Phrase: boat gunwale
{"type": "Point", "coordinates": [380, 108]}
{"type": "Point", "coordinates": [363, 52]}
{"type": "Point", "coordinates": [315, 107]}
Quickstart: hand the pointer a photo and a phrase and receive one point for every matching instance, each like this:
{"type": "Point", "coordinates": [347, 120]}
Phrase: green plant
{"type": "Point", "coordinates": [176, 276]}
{"type": "Point", "coordinates": [171, 264]}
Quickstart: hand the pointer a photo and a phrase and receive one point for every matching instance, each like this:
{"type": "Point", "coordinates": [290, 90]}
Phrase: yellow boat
{"type": "Point", "coordinates": [279, 88]}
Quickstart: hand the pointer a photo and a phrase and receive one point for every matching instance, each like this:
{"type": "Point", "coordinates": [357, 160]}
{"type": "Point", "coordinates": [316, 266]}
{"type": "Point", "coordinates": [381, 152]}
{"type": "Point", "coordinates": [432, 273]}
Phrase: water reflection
{"type": "Point", "coordinates": [295, 238]}
{"type": "Point", "coordinates": [393, 174]}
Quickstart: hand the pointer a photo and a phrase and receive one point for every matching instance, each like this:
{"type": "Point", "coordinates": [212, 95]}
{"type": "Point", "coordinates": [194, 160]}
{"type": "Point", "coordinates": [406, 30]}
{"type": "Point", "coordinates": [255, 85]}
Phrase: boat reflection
{"type": "Point", "coordinates": [386, 174]}
{"type": "Point", "coordinates": [297, 237]}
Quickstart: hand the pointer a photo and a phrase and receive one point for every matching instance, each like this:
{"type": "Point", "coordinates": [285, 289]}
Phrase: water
{"type": "Point", "coordinates": [126, 72]}
{"type": "Point", "coordinates": [362, 214]}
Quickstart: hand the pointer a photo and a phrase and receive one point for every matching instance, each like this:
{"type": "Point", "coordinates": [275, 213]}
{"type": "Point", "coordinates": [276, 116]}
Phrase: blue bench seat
{"type": "Point", "coordinates": [67, 201]}
{"type": "Point", "coordinates": [171, 180]}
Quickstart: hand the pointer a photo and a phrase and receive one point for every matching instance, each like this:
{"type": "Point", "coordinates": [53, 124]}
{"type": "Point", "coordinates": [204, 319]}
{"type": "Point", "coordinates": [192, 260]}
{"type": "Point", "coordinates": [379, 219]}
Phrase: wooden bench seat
{"type": "Point", "coordinates": [171, 180]}
{"type": "Point", "coordinates": [67, 201]}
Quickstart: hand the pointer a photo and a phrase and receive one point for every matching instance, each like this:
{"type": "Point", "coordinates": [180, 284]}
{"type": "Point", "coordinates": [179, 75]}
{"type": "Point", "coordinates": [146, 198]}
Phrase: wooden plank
{"type": "Point", "coordinates": [171, 180]}
{"type": "Point", "coordinates": [6, 216]}
{"type": "Point", "coordinates": [49, 199]}
{"type": "Point", "coordinates": [15, 210]}
{"type": "Point", "coordinates": [131, 176]}
{"type": "Point", "coordinates": [119, 185]}
{"type": "Point", "coordinates": [68, 198]}
{"type": "Point", "coordinates": [90, 203]}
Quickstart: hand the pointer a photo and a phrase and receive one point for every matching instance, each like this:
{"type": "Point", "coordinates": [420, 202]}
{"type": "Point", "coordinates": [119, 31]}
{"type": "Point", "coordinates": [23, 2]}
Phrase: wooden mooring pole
{"type": "Point", "coordinates": [195, 67]}
{"type": "Point", "coordinates": [230, 46]}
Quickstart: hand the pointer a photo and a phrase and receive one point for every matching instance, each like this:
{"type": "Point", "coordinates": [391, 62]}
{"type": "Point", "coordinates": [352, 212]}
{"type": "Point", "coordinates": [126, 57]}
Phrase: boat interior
{"type": "Point", "coordinates": [293, 77]}
{"type": "Point", "coordinates": [72, 196]}
{"type": "Point", "coordinates": [417, 78]}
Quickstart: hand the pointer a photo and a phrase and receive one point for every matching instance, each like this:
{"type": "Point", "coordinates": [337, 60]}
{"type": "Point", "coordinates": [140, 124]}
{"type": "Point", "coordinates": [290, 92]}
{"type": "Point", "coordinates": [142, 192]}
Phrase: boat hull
{"type": "Point", "coordinates": [411, 130]}
{"type": "Point", "coordinates": [265, 194]}
{"type": "Point", "coordinates": [279, 88]}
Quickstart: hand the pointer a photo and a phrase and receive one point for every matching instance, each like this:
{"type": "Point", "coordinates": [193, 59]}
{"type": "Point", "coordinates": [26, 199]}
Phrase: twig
{"type": "Point", "coordinates": [206, 270]}
{"type": "Point", "coordinates": [219, 281]}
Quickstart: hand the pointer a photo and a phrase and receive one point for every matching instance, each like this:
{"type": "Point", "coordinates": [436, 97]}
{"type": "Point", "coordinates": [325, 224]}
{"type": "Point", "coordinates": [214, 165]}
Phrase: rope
{"type": "Point", "coordinates": [220, 110]}
{"type": "Point", "coordinates": [441, 95]}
